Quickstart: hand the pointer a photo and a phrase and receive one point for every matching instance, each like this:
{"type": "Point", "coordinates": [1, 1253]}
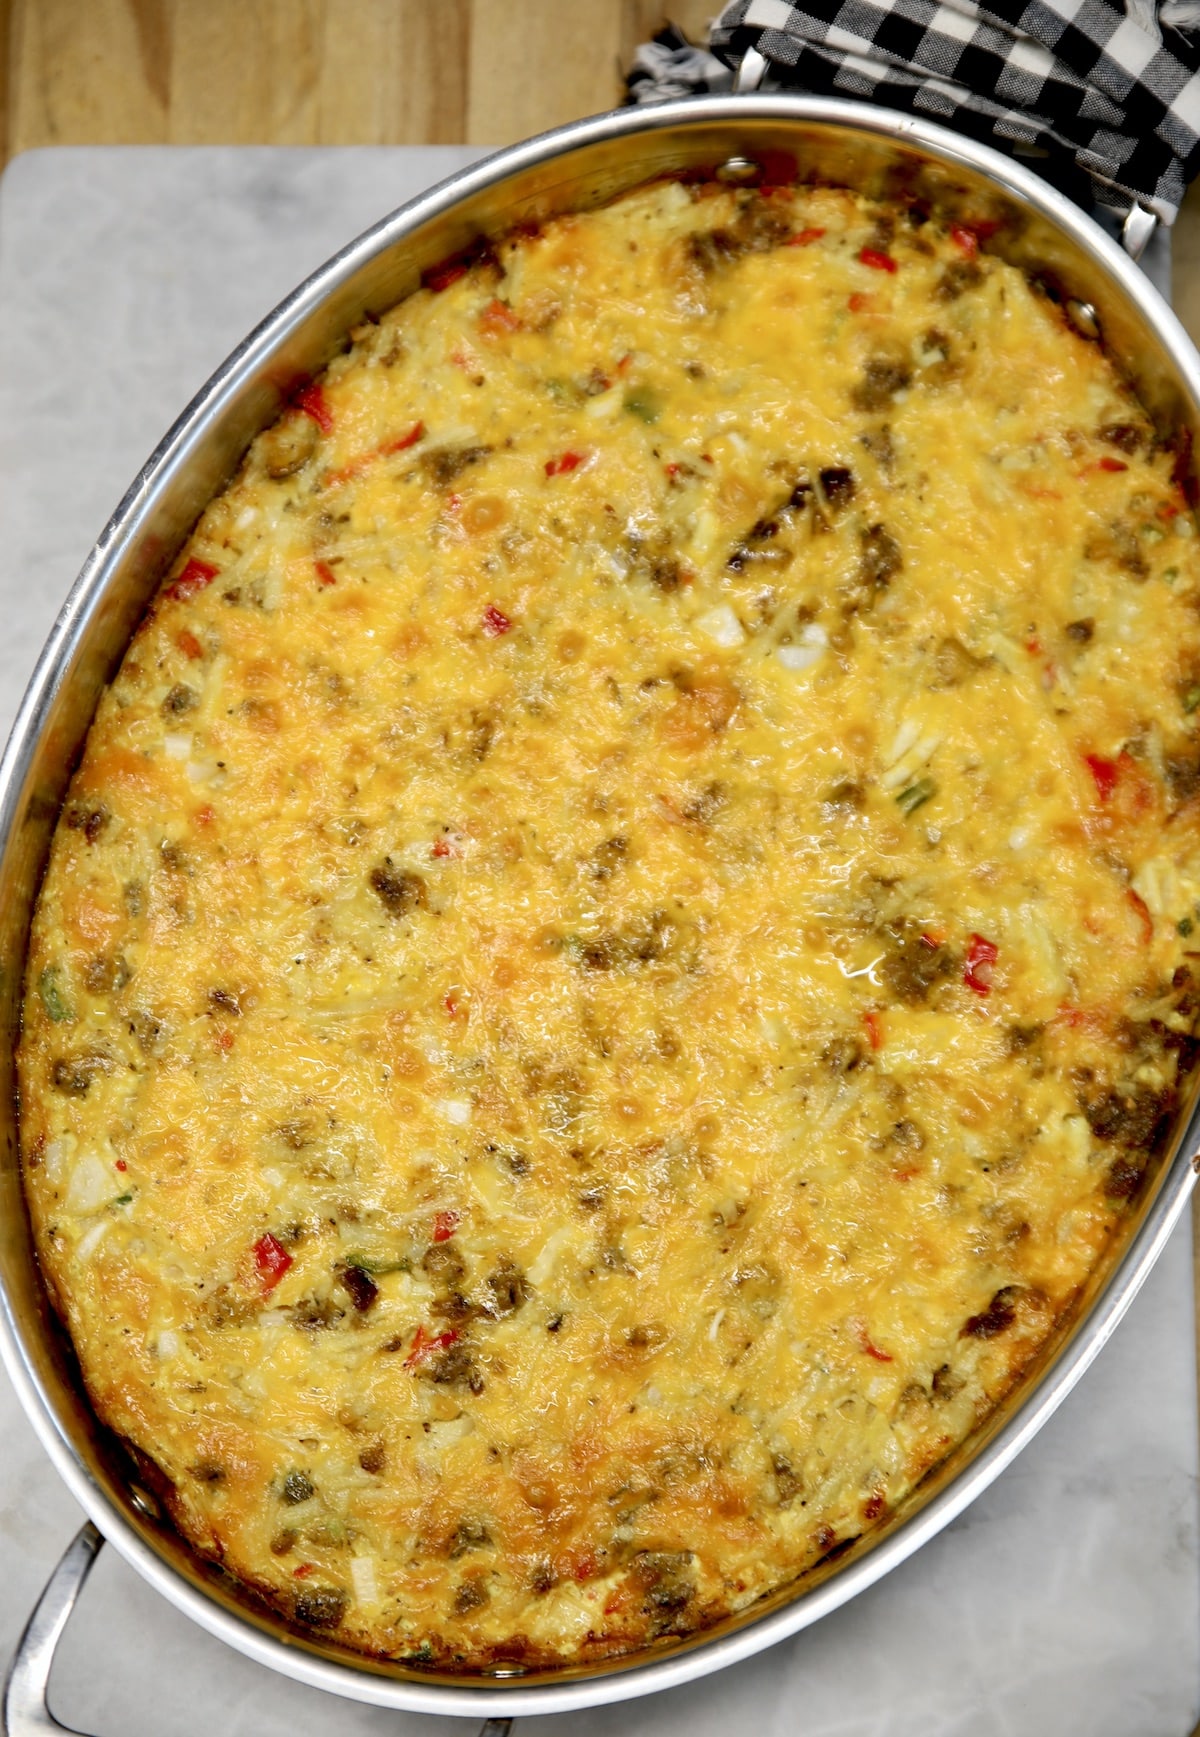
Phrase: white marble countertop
{"type": "Point", "coordinates": [1066, 1600]}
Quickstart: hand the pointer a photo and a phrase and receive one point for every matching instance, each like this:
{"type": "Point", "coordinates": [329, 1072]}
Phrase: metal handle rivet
{"type": "Point", "coordinates": [739, 171]}
{"type": "Point", "coordinates": [1082, 316]}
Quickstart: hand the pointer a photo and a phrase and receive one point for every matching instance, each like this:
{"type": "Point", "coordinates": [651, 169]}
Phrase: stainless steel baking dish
{"type": "Point", "coordinates": [575, 167]}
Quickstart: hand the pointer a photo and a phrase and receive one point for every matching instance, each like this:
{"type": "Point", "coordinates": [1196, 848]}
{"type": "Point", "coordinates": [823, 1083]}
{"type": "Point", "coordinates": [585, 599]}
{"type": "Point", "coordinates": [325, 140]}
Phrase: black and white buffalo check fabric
{"type": "Point", "coordinates": [1084, 88]}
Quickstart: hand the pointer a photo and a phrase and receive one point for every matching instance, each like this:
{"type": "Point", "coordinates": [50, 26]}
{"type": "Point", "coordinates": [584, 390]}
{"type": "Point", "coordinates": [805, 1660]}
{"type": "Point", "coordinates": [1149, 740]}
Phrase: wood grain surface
{"type": "Point", "coordinates": [315, 72]}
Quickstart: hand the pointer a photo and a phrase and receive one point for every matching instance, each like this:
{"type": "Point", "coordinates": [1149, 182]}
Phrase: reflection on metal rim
{"type": "Point", "coordinates": [577, 165]}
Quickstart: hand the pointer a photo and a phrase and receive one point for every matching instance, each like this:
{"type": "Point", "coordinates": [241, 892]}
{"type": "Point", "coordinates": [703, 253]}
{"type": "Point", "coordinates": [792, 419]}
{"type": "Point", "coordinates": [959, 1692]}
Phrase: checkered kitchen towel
{"type": "Point", "coordinates": [1084, 88]}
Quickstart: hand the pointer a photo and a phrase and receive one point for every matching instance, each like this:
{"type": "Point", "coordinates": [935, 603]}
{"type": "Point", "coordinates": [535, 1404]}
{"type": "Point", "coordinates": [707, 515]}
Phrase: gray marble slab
{"type": "Point", "coordinates": [1067, 1600]}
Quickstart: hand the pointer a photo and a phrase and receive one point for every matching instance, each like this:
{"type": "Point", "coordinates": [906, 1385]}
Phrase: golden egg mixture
{"type": "Point", "coordinates": [624, 934]}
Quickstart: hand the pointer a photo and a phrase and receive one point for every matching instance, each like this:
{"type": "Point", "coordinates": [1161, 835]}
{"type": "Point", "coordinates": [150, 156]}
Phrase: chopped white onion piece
{"type": "Point", "coordinates": [362, 1573]}
{"type": "Point", "coordinates": [906, 735]}
{"type": "Point", "coordinates": [92, 1185]}
{"type": "Point", "coordinates": [456, 1110]}
{"type": "Point", "coordinates": [54, 1159]}
{"type": "Point", "coordinates": [88, 1244]}
{"type": "Point", "coordinates": [722, 626]}
{"type": "Point", "coordinates": [910, 761]}
{"type": "Point", "coordinates": [177, 746]}
{"type": "Point", "coordinates": [202, 771]}
{"type": "Point", "coordinates": [896, 775]}
{"type": "Point", "coordinates": [442, 1431]}
{"type": "Point", "coordinates": [1077, 1139]}
{"type": "Point", "coordinates": [799, 657]}
{"type": "Point", "coordinates": [168, 1343]}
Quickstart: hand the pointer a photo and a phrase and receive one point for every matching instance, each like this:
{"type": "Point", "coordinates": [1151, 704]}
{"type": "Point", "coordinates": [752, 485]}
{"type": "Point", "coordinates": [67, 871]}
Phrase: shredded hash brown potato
{"type": "Point", "coordinates": [625, 933]}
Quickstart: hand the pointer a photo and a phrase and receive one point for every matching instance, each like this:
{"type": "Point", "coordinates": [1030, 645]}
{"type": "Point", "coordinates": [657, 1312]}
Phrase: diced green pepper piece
{"type": "Point", "coordinates": [54, 998]}
{"type": "Point", "coordinates": [643, 403]}
{"type": "Point", "coordinates": [914, 795]}
{"type": "Point", "coordinates": [377, 1264]}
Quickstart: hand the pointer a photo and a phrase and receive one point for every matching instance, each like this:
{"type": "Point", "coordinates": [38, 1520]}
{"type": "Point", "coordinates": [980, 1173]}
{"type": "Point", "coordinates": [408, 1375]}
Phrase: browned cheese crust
{"type": "Point", "coordinates": [624, 935]}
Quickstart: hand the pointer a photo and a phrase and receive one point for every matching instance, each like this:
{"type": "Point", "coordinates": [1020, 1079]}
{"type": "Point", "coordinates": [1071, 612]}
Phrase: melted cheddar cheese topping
{"type": "Point", "coordinates": [623, 935]}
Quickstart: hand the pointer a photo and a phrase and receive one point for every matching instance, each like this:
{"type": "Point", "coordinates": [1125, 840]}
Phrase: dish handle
{"type": "Point", "coordinates": [25, 1711]}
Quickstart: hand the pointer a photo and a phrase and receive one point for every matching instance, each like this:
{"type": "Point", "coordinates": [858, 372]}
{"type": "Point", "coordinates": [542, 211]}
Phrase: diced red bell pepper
{"type": "Point", "coordinates": [805, 237]}
{"type": "Point", "coordinates": [271, 1260]}
{"type": "Point", "coordinates": [313, 402]}
{"type": "Point", "coordinates": [1104, 772]}
{"type": "Point", "coordinates": [499, 317]}
{"type": "Point", "coordinates": [877, 261]}
{"type": "Point", "coordinates": [965, 239]}
{"type": "Point", "coordinates": [445, 1225]}
{"type": "Point", "coordinates": [425, 1345]}
{"type": "Point", "coordinates": [189, 645]}
{"type": "Point", "coordinates": [495, 622]}
{"type": "Point", "coordinates": [981, 956]}
{"type": "Point", "coordinates": [1142, 912]}
{"type": "Point", "coordinates": [194, 577]}
{"type": "Point", "coordinates": [404, 441]}
{"type": "Point", "coordinates": [566, 461]}
{"type": "Point", "coordinates": [325, 573]}
{"type": "Point", "coordinates": [874, 1024]}
{"type": "Point", "coordinates": [866, 1344]}
{"type": "Point", "coordinates": [447, 271]}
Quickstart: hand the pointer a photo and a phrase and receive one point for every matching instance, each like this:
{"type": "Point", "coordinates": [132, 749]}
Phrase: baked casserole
{"type": "Point", "coordinates": [624, 935]}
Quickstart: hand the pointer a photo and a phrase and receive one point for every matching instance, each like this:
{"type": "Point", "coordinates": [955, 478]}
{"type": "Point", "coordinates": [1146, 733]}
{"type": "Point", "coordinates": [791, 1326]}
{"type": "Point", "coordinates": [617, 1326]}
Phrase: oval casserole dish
{"type": "Point", "coordinates": [785, 566]}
